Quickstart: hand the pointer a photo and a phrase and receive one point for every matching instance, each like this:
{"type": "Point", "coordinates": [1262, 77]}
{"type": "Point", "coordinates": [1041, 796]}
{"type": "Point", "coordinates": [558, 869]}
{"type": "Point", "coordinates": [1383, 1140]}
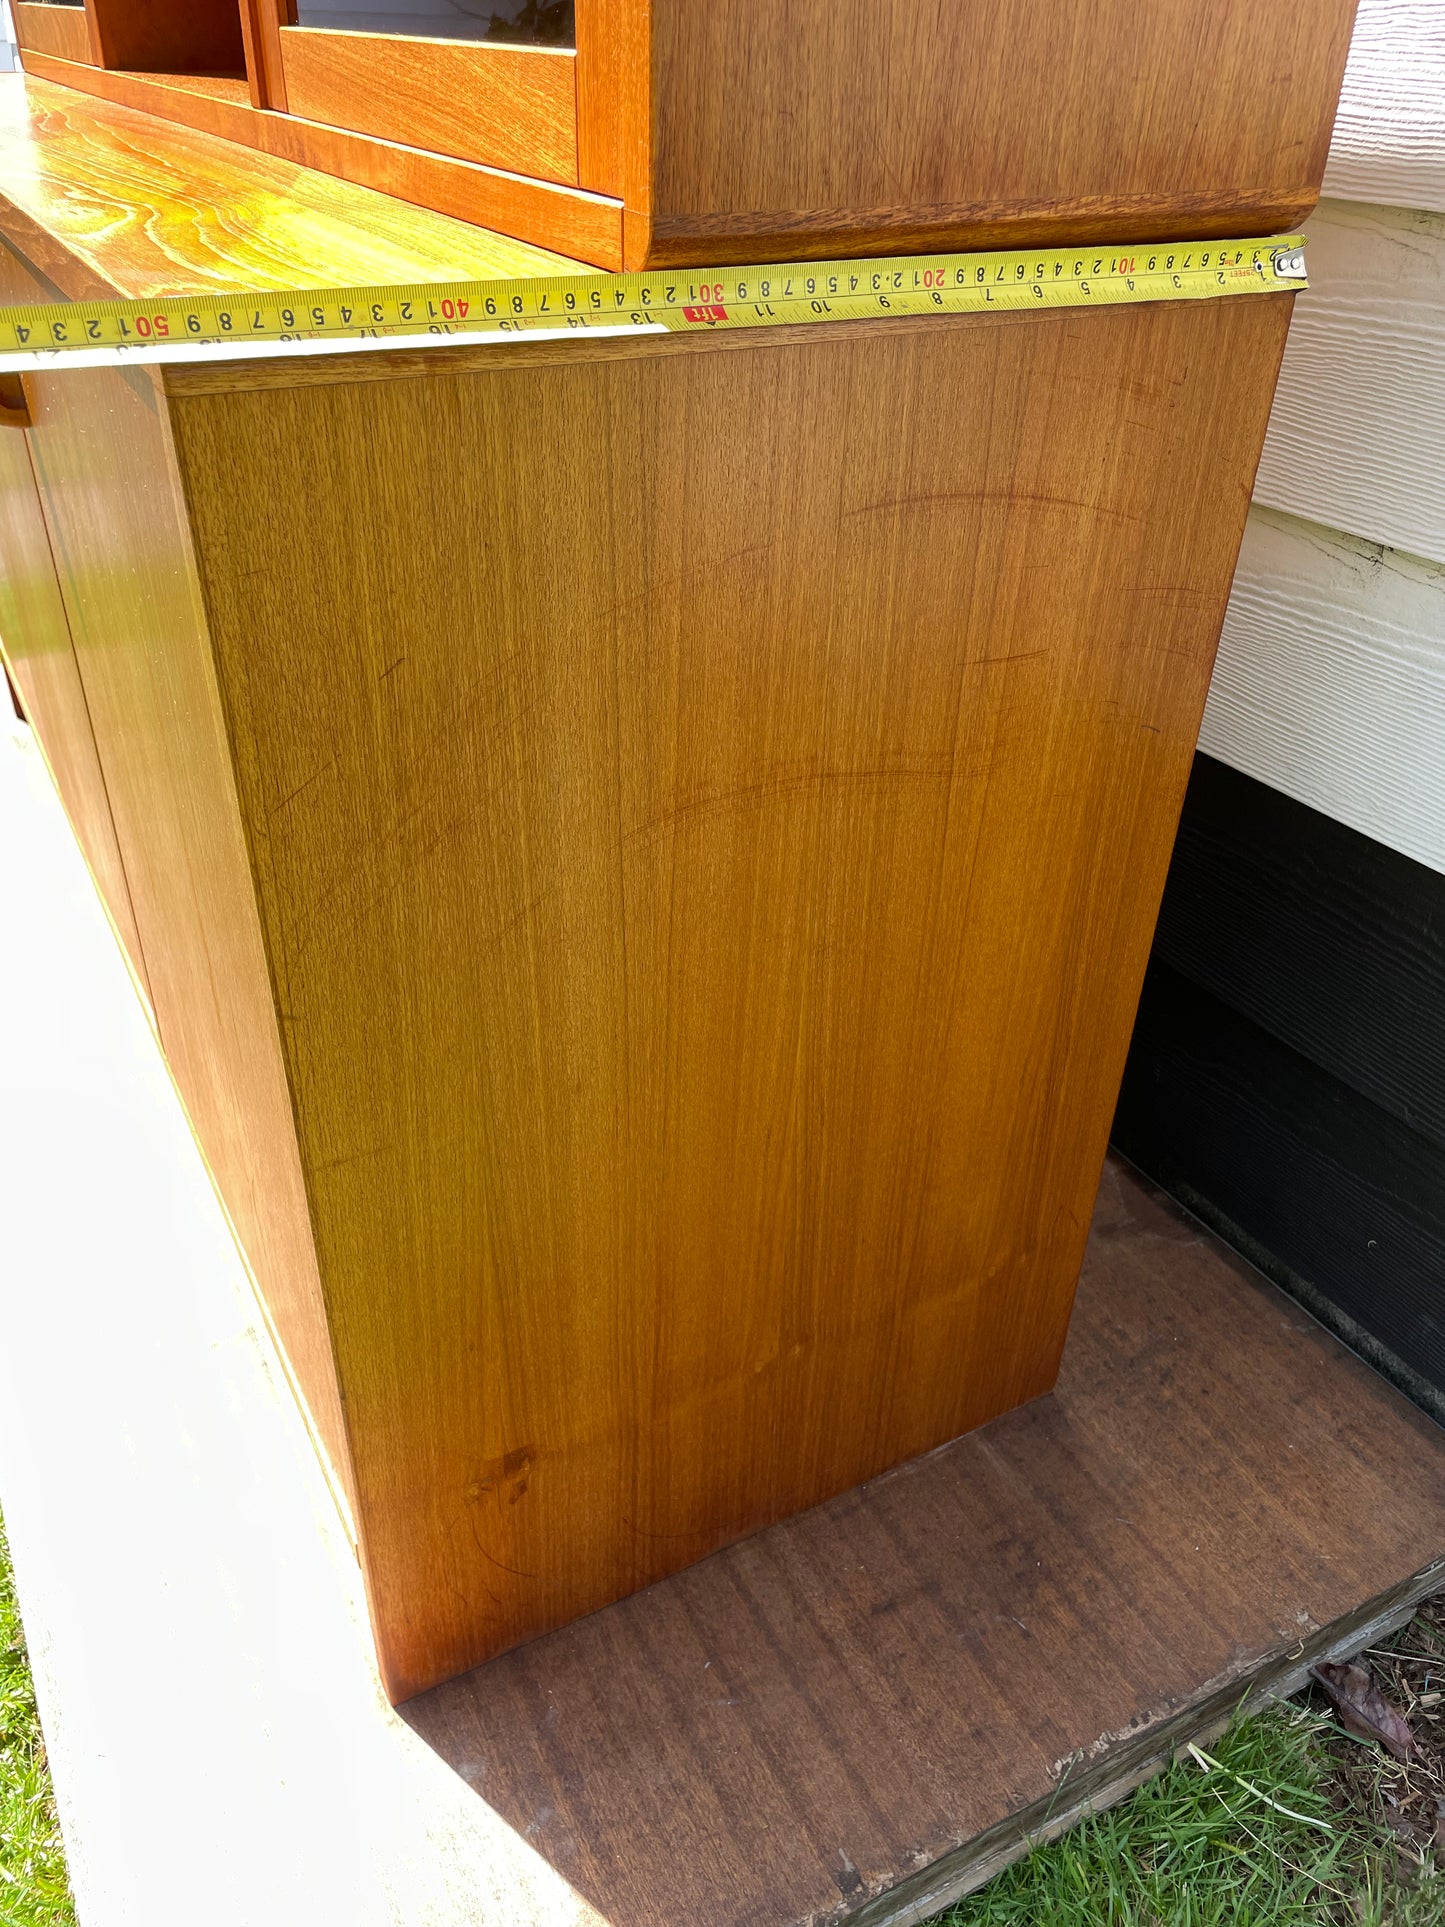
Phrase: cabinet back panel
{"type": "Point", "coordinates": [170, 36]}
{"type": "Point", "coordinates": [709, 811]}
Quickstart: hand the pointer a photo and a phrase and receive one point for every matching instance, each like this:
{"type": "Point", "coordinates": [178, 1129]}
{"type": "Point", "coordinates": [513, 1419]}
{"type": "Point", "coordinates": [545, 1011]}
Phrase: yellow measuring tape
{"type": "Point", "coordinates": [325, 320]}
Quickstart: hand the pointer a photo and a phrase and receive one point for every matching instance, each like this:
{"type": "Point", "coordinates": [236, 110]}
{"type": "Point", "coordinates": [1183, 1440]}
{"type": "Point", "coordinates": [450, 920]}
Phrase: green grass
{"type": "Point", "coordinates": [34, 1891]}
{"type": "Point", "coordinates": [1215, 1848]}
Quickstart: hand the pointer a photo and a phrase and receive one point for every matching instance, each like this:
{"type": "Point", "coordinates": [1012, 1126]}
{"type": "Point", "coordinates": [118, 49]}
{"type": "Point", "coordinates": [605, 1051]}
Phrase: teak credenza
{"type": "Point", "coordinates": [642, 853]}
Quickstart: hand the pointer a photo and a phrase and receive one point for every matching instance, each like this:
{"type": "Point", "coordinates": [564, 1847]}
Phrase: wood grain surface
{"type": "Point", "coordinates": [587, 226]}
{"type": "Point", "coordinates": [35, 639]}
{"type": "Point", "coordinates": [706, 961]}
{"type": "Point", "coordinates": [856, 1714]}
{"type": "Point", "coordinates": [216, 108]}
{"type": "Point", "coordinates": [62, 31]}
{"type": "Point", "coordinates": [226, 88]}
{"type": "Point", "coordinates": [261, 31]}
{"type": "Point", "coordinates": [117, 530]}
{"type": "Point", "coordinates": [746, 131]}
{"type": "Point", "coordinates": [614, 113]}
{"type": "Point", "coordinates": [507, 106]}
{"type": "Point", "coordinates": [106, 199]}
{"type": "Point", "coordinates": [1330, 683]}
{"type": "Point", "coordinates": [862, 125]}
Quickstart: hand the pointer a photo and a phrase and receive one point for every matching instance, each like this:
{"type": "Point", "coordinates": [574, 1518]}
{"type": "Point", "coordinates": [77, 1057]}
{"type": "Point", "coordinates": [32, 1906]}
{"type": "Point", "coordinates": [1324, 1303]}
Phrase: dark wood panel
{"type": "Point", "coordinates": [169, 36]}
{"type": "Point", "coordinates": [679, 241]}
{"type": "Point", "coordinates": [1330, 941]}
{"type": "Point", "coordinates": [851, 1712]}
{"type": "Point", "coordinates": [1330, 1186]}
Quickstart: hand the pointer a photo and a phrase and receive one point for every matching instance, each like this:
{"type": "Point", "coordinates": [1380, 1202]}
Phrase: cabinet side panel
{"type": "Point", "coordinates": [709, 810]}
{"type": "Point", "coordinates": [891, 124]}
{"type": "Point", "coordinates": [614, 108]}
{"type": "Point", "coordinates": [36, 639]}
{"type": "Point", "coordinates": [122, 550]}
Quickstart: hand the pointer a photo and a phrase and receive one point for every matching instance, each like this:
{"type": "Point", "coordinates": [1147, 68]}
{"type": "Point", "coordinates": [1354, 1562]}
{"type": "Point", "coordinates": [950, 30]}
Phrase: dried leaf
{"type": "Point", "coordinates": [1363, 1708]}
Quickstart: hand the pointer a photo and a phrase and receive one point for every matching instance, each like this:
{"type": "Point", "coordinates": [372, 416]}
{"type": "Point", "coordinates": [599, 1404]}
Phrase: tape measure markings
{"type": "Point", "coordinates": [320, 320]}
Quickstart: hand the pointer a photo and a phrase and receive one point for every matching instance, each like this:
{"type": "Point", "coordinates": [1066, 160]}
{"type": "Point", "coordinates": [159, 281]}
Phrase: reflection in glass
{"type": "Point", "coordinates": [536, 23]}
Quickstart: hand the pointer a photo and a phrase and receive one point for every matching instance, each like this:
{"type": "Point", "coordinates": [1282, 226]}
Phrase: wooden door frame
{"type": "Point", "coordinates": [613, 92]}
{"type": "Point", "coordinates": [603, 216]}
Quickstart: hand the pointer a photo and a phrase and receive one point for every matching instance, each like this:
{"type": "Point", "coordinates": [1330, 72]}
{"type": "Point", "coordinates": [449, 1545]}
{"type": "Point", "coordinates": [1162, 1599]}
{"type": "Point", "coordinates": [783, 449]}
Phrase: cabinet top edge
{"type": "Point", "coordinates": [105, 200]}
{"type": "Point", "coordinates": [186, 380]}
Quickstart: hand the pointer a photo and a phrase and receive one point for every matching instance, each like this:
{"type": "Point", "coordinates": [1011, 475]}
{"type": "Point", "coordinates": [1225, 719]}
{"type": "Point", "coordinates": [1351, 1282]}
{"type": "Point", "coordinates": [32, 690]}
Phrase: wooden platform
{"type": "Point", "coordinates": [859, 1714]}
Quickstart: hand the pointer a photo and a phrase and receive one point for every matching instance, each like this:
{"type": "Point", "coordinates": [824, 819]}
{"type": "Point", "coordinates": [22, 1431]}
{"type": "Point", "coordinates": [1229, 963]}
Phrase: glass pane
{"type": "Point", "coordinates": [536, 23]}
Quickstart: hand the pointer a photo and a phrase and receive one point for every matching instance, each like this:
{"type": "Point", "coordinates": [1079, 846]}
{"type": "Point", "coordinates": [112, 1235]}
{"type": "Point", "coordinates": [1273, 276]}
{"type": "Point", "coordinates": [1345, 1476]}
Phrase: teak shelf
{"type": "Point", "coordinates": [642, 852]}
{"type": "Point", "coordinates": [681, 133]}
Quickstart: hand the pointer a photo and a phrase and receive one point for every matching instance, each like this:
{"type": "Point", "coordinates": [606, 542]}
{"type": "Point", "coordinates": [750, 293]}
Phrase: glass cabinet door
{"type": "Point", "coordinates": [537, 23]}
